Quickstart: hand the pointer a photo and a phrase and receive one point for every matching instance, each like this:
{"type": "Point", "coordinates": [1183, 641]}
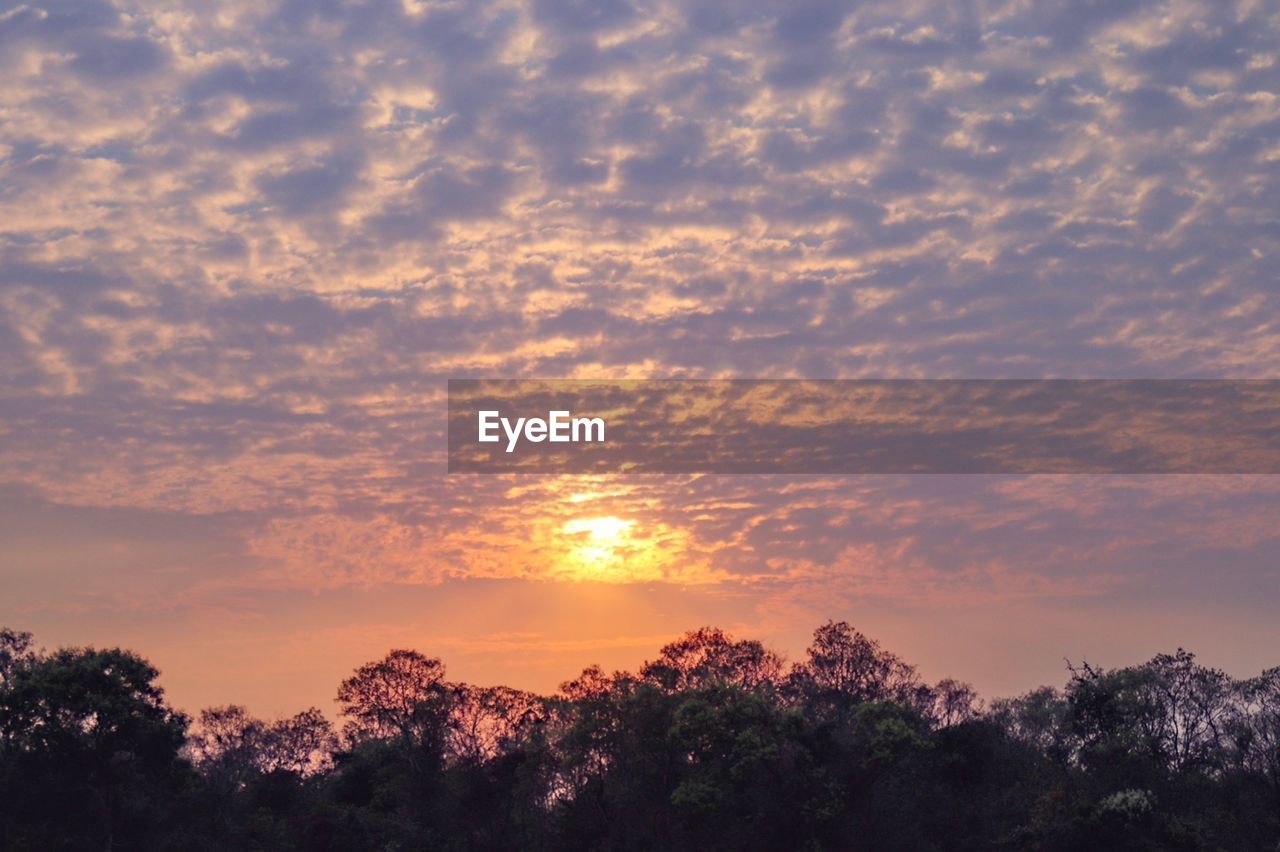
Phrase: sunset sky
{"type": "Point", "coordinates": [244, 245]}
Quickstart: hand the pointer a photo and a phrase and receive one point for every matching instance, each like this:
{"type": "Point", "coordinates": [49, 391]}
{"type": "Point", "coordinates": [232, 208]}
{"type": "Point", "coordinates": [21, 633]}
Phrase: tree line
{"type": "Point", "coordinates": [715, 744]}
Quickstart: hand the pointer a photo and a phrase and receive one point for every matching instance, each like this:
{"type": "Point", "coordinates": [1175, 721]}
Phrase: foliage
{"type": "Point", "coordinates": [715, 744]}
{"type": "Point", "coordinates": [88, 750]}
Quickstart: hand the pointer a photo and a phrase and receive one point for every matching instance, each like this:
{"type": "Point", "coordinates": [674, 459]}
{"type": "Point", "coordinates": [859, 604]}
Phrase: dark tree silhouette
{"type": "Point", "coordinates": [713, 745]}
{"type": "Point", "coordinates": [230, 744]}
{"type": "Point", "coordinates": [396, 696]}
{"type": "Point", "coordinates": [88, 750]}
{"type": "Point", "coordinates": [708, 657]}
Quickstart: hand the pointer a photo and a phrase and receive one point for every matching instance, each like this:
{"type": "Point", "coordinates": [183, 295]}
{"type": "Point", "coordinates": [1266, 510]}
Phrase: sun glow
{"type": "Point", "coordinates": [607, 529]}
{"type": "Point", "coordinates": [612, 549]}
{"type": "Point", "coordinates": [598, 542]}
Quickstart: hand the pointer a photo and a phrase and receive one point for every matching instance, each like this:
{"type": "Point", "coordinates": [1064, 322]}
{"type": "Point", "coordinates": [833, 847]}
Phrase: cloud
{"type": "Point", "coordinates": [244, 246]}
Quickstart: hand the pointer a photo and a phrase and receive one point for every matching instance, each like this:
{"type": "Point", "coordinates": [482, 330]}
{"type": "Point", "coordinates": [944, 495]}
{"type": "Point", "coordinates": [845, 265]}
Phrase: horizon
{"type": "Point", "coordinates": [982, 702]}
{"type": "Point", "coordinates": [538, 674]}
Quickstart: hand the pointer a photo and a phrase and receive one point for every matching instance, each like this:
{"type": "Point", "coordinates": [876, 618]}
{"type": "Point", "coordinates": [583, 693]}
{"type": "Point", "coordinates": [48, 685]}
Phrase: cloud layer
{"type": "Point", "coordinates": [242, 245]}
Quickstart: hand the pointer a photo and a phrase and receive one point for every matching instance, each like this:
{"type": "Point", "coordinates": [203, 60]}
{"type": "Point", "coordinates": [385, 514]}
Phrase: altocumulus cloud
{"type": "Point", "coordinates": [242, 245]}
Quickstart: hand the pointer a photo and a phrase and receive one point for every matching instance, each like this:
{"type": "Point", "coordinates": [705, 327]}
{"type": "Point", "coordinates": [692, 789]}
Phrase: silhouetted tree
{"type": "Point", "coordinates": [708, 656]}
{"type": "Point", "coordinates": [486, 721]}
{"type": "Point", "coordinates": [1256, 729]}
{"type": "Point", "coordinates": [708, 747]}
{"type": "Point", "coordinates": [15, 649]}
{"type": "Point", "coordinates": [953, 703]}
{"type": "Point", "coordinates": [231, 744]}
{"type": "Point", "coordinates": [89, 751]}
{"type": "Point", "coordinates": [1039, 719]}
{"type": "Point", "coordinates": [1168, 713]}
{"type": "Point", "coordinates": [845, 669]}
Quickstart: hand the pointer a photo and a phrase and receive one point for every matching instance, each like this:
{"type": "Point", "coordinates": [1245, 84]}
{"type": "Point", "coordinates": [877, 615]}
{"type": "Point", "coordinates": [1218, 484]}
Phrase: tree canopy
{"type": "Point", "coordinates": [716, 743]}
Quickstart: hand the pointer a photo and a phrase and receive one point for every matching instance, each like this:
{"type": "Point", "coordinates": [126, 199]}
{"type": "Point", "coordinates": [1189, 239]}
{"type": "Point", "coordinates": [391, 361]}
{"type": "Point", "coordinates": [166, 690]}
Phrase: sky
{"type": "Point", "coordinates": [244, 245]}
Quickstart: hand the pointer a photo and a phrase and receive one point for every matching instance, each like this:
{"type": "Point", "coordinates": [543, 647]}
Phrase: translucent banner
{"type": "Point", "coordinates": [864, 426]}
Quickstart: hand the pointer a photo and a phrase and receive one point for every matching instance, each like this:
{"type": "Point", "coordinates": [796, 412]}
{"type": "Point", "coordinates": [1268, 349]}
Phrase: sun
{"type": "Point", "coordinates": [613, 549]}
{"type": "Point", "coordinates": [606, 530]}
{"type": "Point", "coordinates": [598, 544]}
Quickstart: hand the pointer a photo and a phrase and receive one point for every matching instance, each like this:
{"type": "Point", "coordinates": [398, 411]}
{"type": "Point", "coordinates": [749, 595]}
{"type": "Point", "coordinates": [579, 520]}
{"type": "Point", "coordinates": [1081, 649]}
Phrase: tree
{"type": "Point", "coordinates": [395, 696]}
{"type": "Point", "coordinates": [484, 721]}
{"type": "Point", "coordinates": [226, 744]}
{"type": "Point", "coordinates": [749, 777]}
{"type": "Point", "coordinates": [302, 744]}
{"type": "Point", "coordinates": [709, 656]}
{"type": "Point", "coordinates": [232, 746]}
{"type": "Point", "coordinates": [845, 668]}
{"type": "Point", "coordinates": [706, 748]}
{"type": "Point", "coordinates": [89, 750]}
{"type": "Point", "coordinates": [1256, 730]}
{"type": "Point", "coordinates": [1169, 711]}
{"type": "Point", "coordinates": [1196, 705]}
{"type": "Point", "coordinates": [1038, 719]}
{"type": "Point", "coordinates": [15, 649]}
{"type": "Point", "coordinates": [953, 703]}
